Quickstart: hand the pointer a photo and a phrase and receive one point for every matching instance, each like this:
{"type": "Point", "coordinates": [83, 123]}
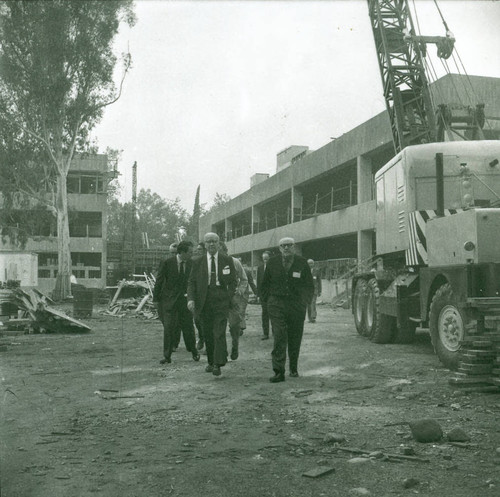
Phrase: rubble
{"type": "Point", "coordinates": [140, 306]}
{"type": "Point", "coordinates": [41, 316]}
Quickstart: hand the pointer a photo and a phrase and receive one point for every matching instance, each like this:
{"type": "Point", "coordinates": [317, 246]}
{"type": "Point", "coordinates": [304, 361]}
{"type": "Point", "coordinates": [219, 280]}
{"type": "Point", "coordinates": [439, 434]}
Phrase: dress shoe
{"type": "Point", "coordinates": [166, 360]}
{"type": "Point", "coordinates": [234, 353]}
{"type": "Point", "coordinates": [277, 378]}
{"type": "Point", "coordinates": [196, 356]}
{"type": "Point", "coordinates": [294, 374]}
{"type": "Point", "coordinates": [200, 344]}
{"type": "Point", "coordinates": [209, 368]}
{"type": "Point", "coordinates": [216, 371]}
{"type": "Point", "coordinates": [265, 337]}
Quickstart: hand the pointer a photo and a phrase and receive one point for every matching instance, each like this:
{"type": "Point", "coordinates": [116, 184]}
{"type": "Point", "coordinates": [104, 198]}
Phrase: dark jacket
{"type": "Point", "coordinates": [295, 285]}
{"type": "Point", "coordinates": [199, 280]}
{"type": "Point", "coordinates": [260, 278]}
{"type": "Point", "coordinates": [316, 274]}
{"type": "Point", "coordinates": [170, 285]}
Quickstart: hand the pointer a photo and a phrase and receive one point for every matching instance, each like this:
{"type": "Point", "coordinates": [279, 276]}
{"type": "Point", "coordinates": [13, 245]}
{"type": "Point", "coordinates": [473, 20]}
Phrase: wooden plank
{"type": "Point", "coordinates": [117, 293]}
{"type": "Point", "coordinates": [143, 302]}
{"type": "Point", "coordinates": [65, 317]}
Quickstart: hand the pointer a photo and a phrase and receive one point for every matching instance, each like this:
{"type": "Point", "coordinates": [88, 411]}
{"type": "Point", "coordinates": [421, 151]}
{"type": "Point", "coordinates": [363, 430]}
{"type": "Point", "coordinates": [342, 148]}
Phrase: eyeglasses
{"type": "Point", "coordinates": [286, 245]}
{"type": "Point", "coordinates": [211, 242]}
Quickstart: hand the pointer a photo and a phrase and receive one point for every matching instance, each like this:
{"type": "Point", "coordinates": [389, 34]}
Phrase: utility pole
{"type": "Point", "coordinates": [134, 207]}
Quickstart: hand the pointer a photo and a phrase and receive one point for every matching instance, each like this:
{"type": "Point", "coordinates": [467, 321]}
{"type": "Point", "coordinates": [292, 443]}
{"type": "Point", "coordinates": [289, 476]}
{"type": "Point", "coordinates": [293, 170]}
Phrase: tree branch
{"type": "Point", "coordinates": [127, 67]}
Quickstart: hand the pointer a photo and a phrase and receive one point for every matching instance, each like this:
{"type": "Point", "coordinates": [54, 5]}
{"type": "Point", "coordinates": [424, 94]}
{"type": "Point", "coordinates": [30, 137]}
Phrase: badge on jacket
{"type": "Point", "coordinates": [226, 270]}
{"type": "Point", "coordinates": [296, 274]}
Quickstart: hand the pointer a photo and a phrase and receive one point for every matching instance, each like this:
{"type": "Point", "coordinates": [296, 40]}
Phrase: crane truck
{"type": "Point", "coordinates": [437, 260]}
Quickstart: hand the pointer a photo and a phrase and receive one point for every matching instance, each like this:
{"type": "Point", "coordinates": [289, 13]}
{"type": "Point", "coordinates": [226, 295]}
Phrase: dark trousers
{"type": "Point", "coordinates": [214, 322]}
{"type": "Point", "coordinates": [178, 318]}
{"type": "Point", "coordinates": [265, 319]}
{"type": "Point", "coordinates": [199, 327]}
{"type": "Point", "coordinates": [287, 320]}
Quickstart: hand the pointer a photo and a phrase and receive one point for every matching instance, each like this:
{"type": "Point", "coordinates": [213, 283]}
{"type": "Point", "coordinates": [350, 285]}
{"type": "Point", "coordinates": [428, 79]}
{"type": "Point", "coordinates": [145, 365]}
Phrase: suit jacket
{"type": "Point", "coordinates": [199, 280]}
{"type": "Point", "coordinates": [260, 277]}
{"type": "Point", "coordinates": [295, 285]}
{"type": "Point", "coordinates": [316, 274]}
{"type": "Point", "coordinates": [170, 285]}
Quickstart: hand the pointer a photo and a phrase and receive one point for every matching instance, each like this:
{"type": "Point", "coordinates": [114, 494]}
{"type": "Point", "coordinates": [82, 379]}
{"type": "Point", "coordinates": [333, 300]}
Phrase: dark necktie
{"type": "Point", "coordinates": [213, 274]}
{"type": "Point", "coordinates": [183, 269]}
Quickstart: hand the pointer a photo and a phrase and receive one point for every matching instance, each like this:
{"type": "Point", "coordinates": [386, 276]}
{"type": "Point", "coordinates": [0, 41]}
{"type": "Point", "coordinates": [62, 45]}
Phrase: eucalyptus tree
{"type": "Point", "coordinates": [56, 78]}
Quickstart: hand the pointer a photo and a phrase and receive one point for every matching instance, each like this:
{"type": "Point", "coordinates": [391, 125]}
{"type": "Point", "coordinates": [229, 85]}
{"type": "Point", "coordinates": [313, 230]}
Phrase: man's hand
{"type": "Point", "coordinates": [191, 306]}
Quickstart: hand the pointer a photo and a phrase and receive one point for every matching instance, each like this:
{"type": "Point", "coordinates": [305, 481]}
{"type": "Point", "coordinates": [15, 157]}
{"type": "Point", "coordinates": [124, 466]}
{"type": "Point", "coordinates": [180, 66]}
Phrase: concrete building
{"type": "Point", "coordinates": [88, 180]}
{"type": "Point", "coordinates": [325, 198]}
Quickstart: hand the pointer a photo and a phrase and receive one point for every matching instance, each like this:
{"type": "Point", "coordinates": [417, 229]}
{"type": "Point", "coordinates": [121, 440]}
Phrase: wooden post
{"type": "Point", "coordinates": [331, 203]}
{"type": "Point", "coordinates": [118, 290]}
{"type": "Point", "coordinates": [316, 204]}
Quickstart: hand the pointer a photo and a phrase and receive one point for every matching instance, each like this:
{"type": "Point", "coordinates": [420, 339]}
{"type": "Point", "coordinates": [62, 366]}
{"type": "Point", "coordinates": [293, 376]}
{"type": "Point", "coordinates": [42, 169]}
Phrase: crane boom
{"type": "Point", "coordinates": [405, 84]}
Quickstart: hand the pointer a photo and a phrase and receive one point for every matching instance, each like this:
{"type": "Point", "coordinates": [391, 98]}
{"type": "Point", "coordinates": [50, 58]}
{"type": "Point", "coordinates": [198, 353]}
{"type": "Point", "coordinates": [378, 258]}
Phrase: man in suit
{"type": "Point", "coordinates": [287, 288]}
{"type": "Point", "coordinates": [199, 253]}
{"type": "Point", "coordinates": [170, 295]}
{"type": "Point", "coordinates": [311, 307]}
{"type": "Point", "coordinates": [260, 277]}
{"type": "Point", "coordinates": [211, 287]}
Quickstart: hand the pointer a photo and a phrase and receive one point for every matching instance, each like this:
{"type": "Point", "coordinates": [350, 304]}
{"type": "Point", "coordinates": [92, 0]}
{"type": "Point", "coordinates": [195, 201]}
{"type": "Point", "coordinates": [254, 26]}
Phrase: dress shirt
{"type": "Point", "coordinates": [209, 265]}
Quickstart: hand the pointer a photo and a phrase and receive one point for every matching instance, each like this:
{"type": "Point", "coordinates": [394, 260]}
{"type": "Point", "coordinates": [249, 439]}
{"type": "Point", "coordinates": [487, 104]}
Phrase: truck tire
{"type": "Point", "coordinates": [447, 326]}
{"type": "Point", "coordinates": [405, 333]}
{"type": "Point", "coordinates": [379, 327]}
{"type": "Point", "coordinates": [358, 306]}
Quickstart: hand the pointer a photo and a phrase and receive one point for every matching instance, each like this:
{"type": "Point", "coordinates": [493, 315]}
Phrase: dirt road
{"type": "Point", "coordinates": [96, 414]}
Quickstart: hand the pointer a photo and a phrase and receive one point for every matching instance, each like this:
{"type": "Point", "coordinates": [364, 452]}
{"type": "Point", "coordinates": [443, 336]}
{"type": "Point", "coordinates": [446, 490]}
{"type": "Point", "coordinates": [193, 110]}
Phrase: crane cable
{"type": "Point", "coordinates": [445, 64]}
{"type": "Point", "coordinates": [442, 17]}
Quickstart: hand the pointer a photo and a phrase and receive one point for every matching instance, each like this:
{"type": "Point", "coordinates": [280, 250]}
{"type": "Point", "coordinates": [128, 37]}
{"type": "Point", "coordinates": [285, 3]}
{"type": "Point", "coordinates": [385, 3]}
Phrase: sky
{"type": "Point", "coordinates": [218, 88]}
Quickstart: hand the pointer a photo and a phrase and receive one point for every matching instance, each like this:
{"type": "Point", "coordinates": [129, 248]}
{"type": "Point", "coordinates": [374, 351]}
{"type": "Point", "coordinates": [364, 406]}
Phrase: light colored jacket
{"type": "Point", "coordinates": [241, 275]}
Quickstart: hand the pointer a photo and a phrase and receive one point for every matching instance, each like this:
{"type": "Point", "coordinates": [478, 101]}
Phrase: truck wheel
{"type": "Point", "coordinates": [447, 326]}
{"type": "Point", "coordinates": [405, 333]}
{"type": "Point", "coordinates": [379, 327]}
{"type": "Point", "coordinates": [358, 306]}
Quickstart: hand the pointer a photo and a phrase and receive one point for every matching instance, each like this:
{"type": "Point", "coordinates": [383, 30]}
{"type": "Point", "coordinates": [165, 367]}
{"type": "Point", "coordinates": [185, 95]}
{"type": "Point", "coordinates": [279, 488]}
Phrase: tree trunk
{"type": "Point", "coordinates": [63, 285]}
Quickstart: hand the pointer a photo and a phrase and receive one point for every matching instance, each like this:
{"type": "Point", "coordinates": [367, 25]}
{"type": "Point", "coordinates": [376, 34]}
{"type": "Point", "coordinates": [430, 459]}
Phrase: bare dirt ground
{"type": "Point", "coordinates": [96, 414]}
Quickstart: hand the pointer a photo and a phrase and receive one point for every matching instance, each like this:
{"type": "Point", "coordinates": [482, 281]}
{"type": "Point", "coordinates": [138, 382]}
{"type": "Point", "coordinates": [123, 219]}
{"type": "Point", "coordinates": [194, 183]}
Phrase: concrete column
{"type": "Point", "coordinates": [365, 246]}
{"type": "Point", "coordinates": [296, 204]}
{"type": "Point", "coordinates": [364, 174]}
{"type": "Point", "coordinates": [228, 226]}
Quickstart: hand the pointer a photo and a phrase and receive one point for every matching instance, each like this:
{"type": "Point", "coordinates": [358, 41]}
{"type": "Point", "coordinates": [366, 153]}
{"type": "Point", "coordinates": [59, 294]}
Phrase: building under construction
{"type": "Point", "coordinates": [325, 198]}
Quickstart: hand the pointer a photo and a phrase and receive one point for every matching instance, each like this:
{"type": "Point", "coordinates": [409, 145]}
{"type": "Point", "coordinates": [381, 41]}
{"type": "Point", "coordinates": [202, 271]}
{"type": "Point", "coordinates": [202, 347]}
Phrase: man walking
{"type": "Point", "coordinates": [311, 307]}
{"type": "Point", "coordinates": [246, 295]}
{"type": "Point", "coordinates": [234, 316]}
{"type": "Point", "coordinates": [199, 253]}
{"type": "Point", "coordinates": [169, 293]}
{"type": "Point", "coordinates": [287, 288]}
{"type": "Point", "coordinates": [211, 286]}
{"type": "Point", "coordinates": [260, 277]}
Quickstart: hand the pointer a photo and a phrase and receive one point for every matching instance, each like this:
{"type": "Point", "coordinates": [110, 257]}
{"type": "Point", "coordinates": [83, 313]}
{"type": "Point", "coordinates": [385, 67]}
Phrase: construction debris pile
{"type": "Point", "coordinates": [138, 306]}
{"type": "Point", "coordinates": [39, 316]}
